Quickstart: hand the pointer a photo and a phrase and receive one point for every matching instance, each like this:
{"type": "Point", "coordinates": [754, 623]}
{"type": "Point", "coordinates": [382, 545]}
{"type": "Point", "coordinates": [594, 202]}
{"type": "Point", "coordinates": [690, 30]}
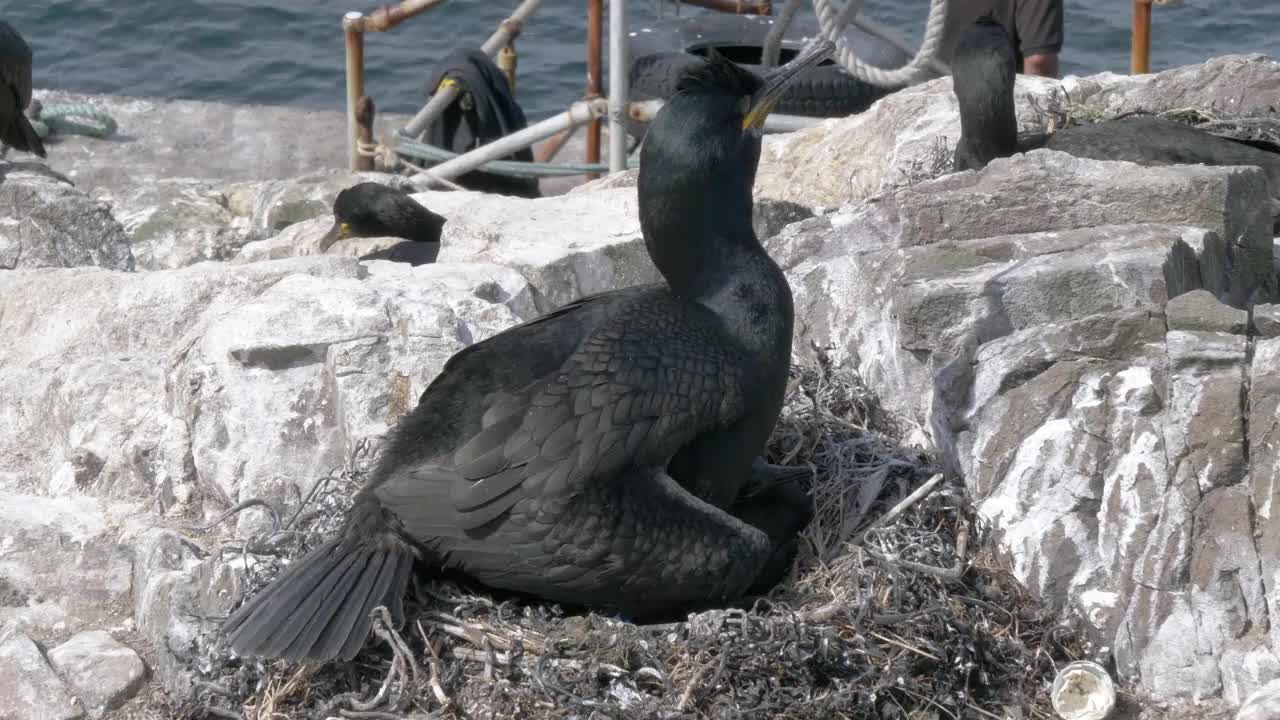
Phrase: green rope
{"type": "Point", "coordinates": [507, 168]}
{"type": "Point", "coordinates": [57, 119]}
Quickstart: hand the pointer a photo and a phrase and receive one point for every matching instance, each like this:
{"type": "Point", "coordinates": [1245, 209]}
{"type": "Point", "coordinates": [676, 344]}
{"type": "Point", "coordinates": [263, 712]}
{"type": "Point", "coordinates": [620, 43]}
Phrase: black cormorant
{"type": "Point", "coordinates": [983, 76]}
{"type": "Point", "coordinates": [15, 92]}
{"type": "Point", "coordinates": [371, 209]}
{"type": "Point", "coordinates": [592, 456]}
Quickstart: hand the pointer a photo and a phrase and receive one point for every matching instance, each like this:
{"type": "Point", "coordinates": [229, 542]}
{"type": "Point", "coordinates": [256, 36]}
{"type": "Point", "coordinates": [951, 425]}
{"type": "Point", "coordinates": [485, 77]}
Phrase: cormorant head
{"type": "Point", "coordinates": [371, 209]}
{"type": "Point", "coordinates": [699, 158]}
{"type": "Point", "coordinates": [983, 71]}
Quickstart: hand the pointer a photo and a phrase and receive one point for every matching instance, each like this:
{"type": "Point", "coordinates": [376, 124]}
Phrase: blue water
{"type": "Point", "coordinates": [290, 51]}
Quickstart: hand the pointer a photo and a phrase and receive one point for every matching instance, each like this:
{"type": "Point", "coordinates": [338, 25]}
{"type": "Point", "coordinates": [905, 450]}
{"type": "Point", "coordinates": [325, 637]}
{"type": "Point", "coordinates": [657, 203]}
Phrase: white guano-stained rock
{"type": "Point", "coordinates": [910, 134]}
{"type": "Point", "coordinates": [29, 689]}
{"type": "Point", "coordinates": [101, 672]}
{"type": "Point", "coordinates": [1100, 426]}
{"type": "Point", "coordinates": [565, 246]}
{"type": "Point", "coordinates": [61, 562]}
{"type": "Point", "coordinates": [177, 222]}
{"type": "Point", "coordinates": [45, 221]}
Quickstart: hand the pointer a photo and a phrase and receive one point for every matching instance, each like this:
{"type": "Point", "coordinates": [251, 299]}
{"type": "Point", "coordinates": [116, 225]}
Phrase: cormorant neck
{"type": "Point", "coordinates": [989, 128]}
{"type": "Point", "coordinates": [694, 192]}
{"type": "Point", "coordinates": [983, 75]}
{"type": "Point", "coordinates": [698, 239]}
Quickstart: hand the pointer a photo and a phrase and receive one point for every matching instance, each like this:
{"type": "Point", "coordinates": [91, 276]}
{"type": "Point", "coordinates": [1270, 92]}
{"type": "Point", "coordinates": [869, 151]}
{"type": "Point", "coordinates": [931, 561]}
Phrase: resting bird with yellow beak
{"type": "Point", "coordinates": [607, 454]}
{"type": "Point", "coordinates": [371, 209]}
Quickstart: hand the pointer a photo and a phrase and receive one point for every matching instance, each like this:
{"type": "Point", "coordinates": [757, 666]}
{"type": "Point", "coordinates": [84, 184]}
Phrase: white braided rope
{"type": "Point", "coordinates": [773, 41]}
{"type": "Point", "coordinates": [833, 25]}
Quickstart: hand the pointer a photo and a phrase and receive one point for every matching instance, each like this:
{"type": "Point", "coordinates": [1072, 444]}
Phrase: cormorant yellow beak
{"type": "Point", "coordinates": [766, 98]}
{"type": "Point", "coordinates": [339, 231]}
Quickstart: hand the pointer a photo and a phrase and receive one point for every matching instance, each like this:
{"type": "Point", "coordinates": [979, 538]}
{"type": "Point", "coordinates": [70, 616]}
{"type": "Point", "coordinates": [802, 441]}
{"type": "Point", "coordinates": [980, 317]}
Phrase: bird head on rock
{"type": "Point", "coordinates": [371, 209]}
{"type": "Point", "coordinates": [699, 158]}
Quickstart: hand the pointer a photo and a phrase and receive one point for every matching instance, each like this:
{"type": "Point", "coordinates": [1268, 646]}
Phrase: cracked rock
{"type": "Point", "coordinates": [1200, 310]}
{"type": "Point", "coordinates": [1266, 321]}
{"type": "Point", "coordinates": [1088, 382]}
{"type": "Point", "coordinates": [102, 672]}
{"type": "Point", "coordinates": [45, 221]}
{"type": "Point", "coordinates": [1264, 704]}
{"type": "Point", "coordinates": [29, 688]}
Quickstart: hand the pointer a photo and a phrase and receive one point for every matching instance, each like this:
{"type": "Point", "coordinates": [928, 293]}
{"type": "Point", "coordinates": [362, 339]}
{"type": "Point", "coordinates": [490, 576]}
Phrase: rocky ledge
{"type": "Point", "coordinates": [1090, 345]}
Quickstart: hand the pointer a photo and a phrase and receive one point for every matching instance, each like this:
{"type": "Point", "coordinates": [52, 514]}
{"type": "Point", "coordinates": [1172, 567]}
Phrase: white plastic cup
{"type": "Point", "coordinates": [1083, 691]}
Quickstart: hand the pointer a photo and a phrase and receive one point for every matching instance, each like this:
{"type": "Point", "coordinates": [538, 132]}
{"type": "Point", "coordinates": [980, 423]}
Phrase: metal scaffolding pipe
{"type": "Point", "coordinates": [619, 63]}
{"type": "Point", "coordinates": [1140, 44]}
{"type": "Point", "coordinates": [595, 61]}
{"type": "Point", "coordinates": [548, 152]}
{"type": "Point", "coordinates": [351, 23]}
{"type": "Point", "coordinates": [579, 113]}
{"type": "Point", "coordinates": [389, 16]}
{"type": "Point", "coordinates": [507, 31]}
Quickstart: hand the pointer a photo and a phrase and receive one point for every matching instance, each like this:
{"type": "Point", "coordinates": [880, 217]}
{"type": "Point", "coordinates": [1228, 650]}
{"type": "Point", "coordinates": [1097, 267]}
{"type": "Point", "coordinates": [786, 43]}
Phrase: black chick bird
{"type": "Point", "coordinates": [15, 92]}
{"type": "Point", "coordinates": [592, 456]}
{"type": "Point", "coordinates": [371, 209]}
{"type": "Point", "coordinates": [983, 77]}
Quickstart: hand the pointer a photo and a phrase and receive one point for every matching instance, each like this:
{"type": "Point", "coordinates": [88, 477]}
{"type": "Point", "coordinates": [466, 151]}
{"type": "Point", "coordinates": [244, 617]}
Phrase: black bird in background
{"type": "Point", "coordinates": [596, 455]}
{"type": "Point", "coordinates": [371, 209]}
{"type": "Point", "coordinates": [983, 77]}
{"type": "Point", "coordinates": [15, 92]}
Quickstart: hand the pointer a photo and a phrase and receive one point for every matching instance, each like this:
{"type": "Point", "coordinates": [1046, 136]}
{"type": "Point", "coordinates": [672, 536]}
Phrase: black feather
{"type": "Point", "coordinates": [717, 76]}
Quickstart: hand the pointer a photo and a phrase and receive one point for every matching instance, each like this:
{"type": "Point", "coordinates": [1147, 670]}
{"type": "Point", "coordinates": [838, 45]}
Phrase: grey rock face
{"type": "Point", "coordinates": [272, 205]}
{"type": "Point", "coordinates": [177, 222]}
{"type": "Point", "coordinates": [29, 689]}
{"type": "Point", "coordinates": [100, 671]}
{"type": "Point", "coordinates": [1199, 310]}
{"type": "Point", "coordinates": [62, 564]}
{"type": "Point", "coordinates": [565, 246]}
{"type": "Point", "coordinates": [1087, 380]}
{"type": "Point", "coordinates": [904, 135]}
{"type": "Point", "coordinates": [1263, 704]}
{"type": "Point", "coordinates": [46, 222]}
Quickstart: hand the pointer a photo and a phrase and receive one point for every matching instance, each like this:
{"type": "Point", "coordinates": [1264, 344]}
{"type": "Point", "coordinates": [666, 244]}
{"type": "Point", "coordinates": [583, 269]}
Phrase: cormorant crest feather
{"type": "Point", "coordinates": [717, 76]}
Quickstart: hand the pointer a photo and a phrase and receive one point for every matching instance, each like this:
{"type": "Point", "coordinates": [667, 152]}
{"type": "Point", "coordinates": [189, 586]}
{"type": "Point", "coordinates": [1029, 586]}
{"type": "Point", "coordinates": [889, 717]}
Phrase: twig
{"type": "Point", "coordinates": [434, 663]}
{"type": "Point", "coordinates": [901, 644]}
{"type": "Point", "coordinates": [825, 613]}
{"type": "Point", "coordinates": [465, 653]}
{"type": "Point", "coordinates": [693, 684]}
{"type": "Point", "coordinates": [239, 508]}
{"type": "Point", "coordinates": [906, 503]}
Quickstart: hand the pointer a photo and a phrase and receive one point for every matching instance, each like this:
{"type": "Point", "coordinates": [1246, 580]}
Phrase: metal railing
{"type": "Point", "coordinates": [1140, 42]}
{"type": "Point", "coordinates": [361, 148]}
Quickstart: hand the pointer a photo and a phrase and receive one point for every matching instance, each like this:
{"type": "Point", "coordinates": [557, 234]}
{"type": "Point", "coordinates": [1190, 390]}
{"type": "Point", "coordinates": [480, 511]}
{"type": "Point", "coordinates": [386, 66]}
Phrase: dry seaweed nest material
{"type": "Point", "coordinates": [1260, 128]}
{"type": "Point", "coordinates": [895, 608]}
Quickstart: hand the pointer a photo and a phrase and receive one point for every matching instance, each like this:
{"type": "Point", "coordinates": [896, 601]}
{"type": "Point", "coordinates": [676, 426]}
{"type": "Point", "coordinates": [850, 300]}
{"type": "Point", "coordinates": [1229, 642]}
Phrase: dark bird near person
{"type": "Point", "coordinates": [594, 456]}
{"type": "Point", "coordinates": [15, 92]}
{"type": "Point", "coordinates": [371, 209]}
{"type": "Point", "coordinates": [983, 79]}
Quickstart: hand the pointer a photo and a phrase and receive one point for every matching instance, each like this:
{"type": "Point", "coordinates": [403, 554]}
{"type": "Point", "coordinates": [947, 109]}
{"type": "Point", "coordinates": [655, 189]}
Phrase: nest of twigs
{"type": "Point", "coordinates": [894, 609]}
